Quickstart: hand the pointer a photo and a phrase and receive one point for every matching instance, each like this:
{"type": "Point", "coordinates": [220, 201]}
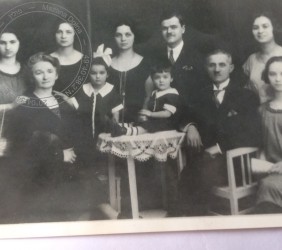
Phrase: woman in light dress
{"type": "Point", "coordinates": [264, 31]}
{"type": "Point", "coordinates": [13, 78]}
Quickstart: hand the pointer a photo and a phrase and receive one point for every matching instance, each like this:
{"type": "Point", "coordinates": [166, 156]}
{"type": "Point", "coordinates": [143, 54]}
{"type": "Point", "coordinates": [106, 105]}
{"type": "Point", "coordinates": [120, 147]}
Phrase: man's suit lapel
{"type": "Point", "coordinates": [227, 102]}
{"type": "Point", "coordinates": [184, 61]}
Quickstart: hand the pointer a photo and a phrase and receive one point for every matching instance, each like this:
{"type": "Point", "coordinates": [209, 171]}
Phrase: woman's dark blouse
{"type": "Point", "coordinates": [34, 116]}
{"type": "Point", "coordinates": [67, 76]}
{"type": "Point", "coordinates": [134, 82]}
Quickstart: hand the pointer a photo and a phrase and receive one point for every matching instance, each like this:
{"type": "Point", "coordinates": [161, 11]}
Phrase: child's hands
{"type": "Point", "coordinates": [276, 168]}
{"type": "Point", "coordinates": [142, 118]}
{"type": "Point", "coordinates": [145, 112]}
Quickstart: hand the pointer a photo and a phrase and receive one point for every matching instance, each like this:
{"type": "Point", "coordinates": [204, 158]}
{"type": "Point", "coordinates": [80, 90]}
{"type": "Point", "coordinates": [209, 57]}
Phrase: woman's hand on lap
{"type": "Point", "coordinates": [69, 155]}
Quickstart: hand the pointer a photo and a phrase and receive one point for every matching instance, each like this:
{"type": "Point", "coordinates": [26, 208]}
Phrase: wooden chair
{"type": "Point", "coordinates": [246, 187]}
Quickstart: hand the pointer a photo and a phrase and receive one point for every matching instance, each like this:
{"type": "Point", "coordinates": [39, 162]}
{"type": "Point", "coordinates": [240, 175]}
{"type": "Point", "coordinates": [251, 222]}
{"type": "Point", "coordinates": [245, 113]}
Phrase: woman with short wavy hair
{"type": "Point", "coordinates": [264, 29]}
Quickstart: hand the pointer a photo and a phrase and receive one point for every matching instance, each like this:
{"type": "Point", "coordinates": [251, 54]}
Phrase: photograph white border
{"type": "Point", "coordinates": [103, 227]}
{"type": "Point", "coordinates": [129, 226]}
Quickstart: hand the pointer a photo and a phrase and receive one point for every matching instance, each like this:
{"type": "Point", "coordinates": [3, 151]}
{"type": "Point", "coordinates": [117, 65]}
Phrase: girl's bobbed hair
{"type": "Point", "coordinates": [265, 72]}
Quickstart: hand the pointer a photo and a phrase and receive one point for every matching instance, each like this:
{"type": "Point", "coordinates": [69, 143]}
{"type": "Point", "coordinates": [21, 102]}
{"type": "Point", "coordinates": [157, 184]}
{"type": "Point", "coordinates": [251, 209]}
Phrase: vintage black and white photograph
{"type": "Point", "coordinates": [139, 116]}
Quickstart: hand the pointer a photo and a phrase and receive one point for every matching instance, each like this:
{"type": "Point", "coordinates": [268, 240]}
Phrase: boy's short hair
{"type": "Point", "coordinates": [264, 75]}
{"type": "Point", "coordinates": [167, 14]}
{"type": "Point", "coordinates": [160, 67]}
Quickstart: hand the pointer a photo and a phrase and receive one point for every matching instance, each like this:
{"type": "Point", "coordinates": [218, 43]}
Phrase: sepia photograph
{"type": "Point", "coordinates": [133, 116]}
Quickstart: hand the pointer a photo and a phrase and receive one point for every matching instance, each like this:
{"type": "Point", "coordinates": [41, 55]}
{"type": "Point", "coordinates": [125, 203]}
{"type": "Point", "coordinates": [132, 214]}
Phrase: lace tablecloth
{"type": "Point", "coordinates": [143, 147]}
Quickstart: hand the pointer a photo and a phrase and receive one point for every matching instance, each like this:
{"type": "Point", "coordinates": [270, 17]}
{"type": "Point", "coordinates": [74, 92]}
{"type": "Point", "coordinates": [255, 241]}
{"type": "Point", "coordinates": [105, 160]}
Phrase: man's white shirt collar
{"type": "Point", "coordinates": [222, 85]}
{"type": "Point", "coordinates": [176, 50]}
{"type": "Point", "coordinates": [89, 90]}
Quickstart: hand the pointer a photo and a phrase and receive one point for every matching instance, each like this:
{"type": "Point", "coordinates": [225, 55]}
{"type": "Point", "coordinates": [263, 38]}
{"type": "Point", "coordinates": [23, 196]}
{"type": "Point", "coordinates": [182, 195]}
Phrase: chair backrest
{"type": "Point", "coordinates": [239, 161]}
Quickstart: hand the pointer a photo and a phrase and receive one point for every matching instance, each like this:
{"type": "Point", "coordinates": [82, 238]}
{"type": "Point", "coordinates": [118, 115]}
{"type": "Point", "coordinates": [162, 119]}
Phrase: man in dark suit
{"type": "Point", "coordinates": [226, 118]}
{"type": "Point", "coordinates": [187, 69]}
{"type": "Point", "coordinates": [185, 59]}
{"type": "Point", "coordinates": [187, 79]}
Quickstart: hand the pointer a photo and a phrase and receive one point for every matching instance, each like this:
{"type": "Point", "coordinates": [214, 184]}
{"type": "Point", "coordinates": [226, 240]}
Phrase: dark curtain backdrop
{"type": "Point", "coordinates": [209, 23]}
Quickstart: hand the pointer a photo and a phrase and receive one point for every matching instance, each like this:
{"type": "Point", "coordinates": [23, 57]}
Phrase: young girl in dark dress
{"type": "Point", "coordinates": [97, 103]}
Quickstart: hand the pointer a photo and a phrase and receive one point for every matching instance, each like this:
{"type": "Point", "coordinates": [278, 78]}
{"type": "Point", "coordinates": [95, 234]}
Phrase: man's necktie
{"type": "Point", "coordinates": [171, 58]}
{"type": "Point", "coordinates": [216, 93]}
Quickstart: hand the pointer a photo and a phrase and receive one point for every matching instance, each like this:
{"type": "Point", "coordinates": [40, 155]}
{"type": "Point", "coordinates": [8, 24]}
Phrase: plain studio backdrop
{"type": "Point", "coordinates": [208, 23]}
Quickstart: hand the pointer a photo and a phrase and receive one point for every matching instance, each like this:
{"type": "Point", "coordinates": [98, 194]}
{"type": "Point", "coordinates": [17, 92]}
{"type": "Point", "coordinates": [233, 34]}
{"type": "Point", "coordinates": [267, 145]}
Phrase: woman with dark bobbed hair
{"type": "Point", "coordinates": [69, 57]}
{"type": "Point", "coordinates": [129, 71]}
{"type": "Point", "coordinates": [13, 77]}
{"type": "Point", "coordinates": [264, 29]}
{"type": "Point", "coordinates": [13, 80]}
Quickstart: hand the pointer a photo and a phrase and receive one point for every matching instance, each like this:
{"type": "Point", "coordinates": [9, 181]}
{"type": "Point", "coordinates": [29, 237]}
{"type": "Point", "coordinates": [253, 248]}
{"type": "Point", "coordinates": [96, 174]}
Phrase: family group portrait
{"type": "Point", "coordinates": [138, 109]}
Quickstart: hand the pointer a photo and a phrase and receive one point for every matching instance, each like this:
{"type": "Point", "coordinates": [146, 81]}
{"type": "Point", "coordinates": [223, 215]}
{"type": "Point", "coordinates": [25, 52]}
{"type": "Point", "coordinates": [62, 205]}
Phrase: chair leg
{"type": "Point", "coordinates": [234, 205]}
{"type": "Point", "coordinates": [180, 162]}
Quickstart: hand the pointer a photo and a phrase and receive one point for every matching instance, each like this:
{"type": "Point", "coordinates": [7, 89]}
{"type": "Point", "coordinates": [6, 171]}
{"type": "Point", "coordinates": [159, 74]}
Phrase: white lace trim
{"type": "Point", "coordinates": [159, 145]}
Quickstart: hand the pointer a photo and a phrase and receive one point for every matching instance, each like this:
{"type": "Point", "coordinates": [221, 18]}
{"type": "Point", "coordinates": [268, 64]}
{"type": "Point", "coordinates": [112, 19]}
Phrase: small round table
{"type": "Point", "coordinates": [159, 146]}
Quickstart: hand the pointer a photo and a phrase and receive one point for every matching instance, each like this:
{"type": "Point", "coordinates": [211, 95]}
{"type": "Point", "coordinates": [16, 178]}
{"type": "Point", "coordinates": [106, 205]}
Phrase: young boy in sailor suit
{"type": "Point", "coordinates": [163, 106]}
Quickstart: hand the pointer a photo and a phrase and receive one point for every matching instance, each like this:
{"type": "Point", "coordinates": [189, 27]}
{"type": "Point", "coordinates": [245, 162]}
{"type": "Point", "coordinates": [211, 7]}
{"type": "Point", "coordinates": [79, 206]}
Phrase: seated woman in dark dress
{"type": "Point", "coordinates": [42, 148]}
{"type": "Point", "coordinates": [41, 117]}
